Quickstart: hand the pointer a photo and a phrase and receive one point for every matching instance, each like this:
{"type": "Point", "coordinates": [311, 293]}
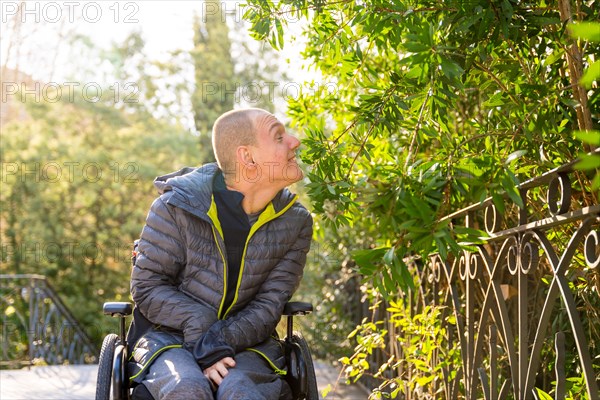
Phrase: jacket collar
{"type": "Point", "coordinates": [192, 190]}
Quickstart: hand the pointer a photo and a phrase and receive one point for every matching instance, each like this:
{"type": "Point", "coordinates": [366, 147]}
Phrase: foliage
{"type": "Point", "coordinates": [77, 173]}
{"type": "Point", "coordinates": [213, 68]}
{"type": "Point", "coordinates": [589, 31]}
{"type": "Point", "coordinates": [331, 285]}
{"type": "Point", "coordinates": [77, 181]}
{"type": "Point", "coordinates": [438, 105]}
{"type": "Point", "coordinates": [411, 345]}
{"type": "Point", "coordinates": [575, 390]}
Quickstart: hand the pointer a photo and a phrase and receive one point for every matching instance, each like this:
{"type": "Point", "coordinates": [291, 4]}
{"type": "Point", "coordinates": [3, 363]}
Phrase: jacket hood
{"type": "Point", "coordinates": [191, 189]}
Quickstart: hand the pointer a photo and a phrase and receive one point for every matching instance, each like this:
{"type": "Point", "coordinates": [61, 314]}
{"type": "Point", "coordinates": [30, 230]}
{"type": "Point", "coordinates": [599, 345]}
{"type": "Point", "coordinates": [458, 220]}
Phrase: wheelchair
{"type": "Point", "coordinates": [113, 382]}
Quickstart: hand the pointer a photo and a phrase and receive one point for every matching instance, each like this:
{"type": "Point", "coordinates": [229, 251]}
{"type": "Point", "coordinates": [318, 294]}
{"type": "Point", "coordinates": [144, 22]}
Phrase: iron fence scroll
{"type": "Point", "coordinates": [518, 302]}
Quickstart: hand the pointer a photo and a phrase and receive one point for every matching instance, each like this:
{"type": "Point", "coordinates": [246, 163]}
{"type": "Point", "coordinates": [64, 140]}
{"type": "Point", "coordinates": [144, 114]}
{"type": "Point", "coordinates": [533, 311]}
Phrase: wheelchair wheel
{"type": "Point", "coordinates": [312, 391]}
{"type": "Point", "coordinates": [105, 367]}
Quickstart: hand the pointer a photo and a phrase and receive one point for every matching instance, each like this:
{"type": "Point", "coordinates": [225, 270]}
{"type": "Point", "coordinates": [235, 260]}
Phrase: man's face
{"type": "Point", "coordinates": [275, 152]}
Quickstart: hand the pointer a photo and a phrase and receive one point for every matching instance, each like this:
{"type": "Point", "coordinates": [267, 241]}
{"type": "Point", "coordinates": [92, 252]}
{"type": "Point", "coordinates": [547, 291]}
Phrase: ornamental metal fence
{"type": "Point", "coordinates": [37, 327]}
{"type": "Point", "coordinates": [521, 311]}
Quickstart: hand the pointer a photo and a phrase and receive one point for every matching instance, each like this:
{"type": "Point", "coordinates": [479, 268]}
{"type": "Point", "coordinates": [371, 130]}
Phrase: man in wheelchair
{"type": "Point", "coordinates": [222, 252]}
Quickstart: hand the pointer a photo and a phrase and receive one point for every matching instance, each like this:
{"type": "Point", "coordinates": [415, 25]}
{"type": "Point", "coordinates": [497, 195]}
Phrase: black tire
{"type": "Point", "coordinates": [105, 366]}
{"type": "Point", "coordinates": [312, 391]}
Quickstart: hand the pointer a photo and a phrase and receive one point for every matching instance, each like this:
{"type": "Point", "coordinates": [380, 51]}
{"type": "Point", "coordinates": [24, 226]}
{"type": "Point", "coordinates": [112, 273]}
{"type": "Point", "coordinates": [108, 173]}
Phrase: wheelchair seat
{"type": "Point", "coordinates": [113, 382]}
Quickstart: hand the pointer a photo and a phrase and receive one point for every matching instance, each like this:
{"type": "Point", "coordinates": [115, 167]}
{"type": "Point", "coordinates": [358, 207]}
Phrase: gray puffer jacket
{"type": "Point", "coordinates": [179, 279]}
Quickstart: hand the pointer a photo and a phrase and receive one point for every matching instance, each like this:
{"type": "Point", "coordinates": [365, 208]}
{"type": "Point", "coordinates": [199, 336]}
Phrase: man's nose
{"type": "Point", "coordinates": [294, 142]}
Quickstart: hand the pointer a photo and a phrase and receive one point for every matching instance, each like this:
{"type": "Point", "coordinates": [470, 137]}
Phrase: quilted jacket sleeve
{"type": "Point", "coordinates": [161, 256]}
{"type": "Point", "coordinates": [253, 324]}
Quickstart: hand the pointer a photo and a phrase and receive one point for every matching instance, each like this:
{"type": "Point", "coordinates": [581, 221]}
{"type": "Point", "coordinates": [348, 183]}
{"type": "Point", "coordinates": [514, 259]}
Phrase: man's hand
{"type": "Point", "coordinates": [219, 370]}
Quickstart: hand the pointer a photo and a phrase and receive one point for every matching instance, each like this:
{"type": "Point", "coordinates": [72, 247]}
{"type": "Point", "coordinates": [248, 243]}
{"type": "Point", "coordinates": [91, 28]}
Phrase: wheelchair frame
{"type": "Point", "coordinates": [112, 371]}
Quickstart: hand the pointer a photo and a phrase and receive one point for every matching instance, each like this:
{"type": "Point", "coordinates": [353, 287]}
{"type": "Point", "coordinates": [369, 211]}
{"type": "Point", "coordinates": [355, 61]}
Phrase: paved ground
{"type": "Point", "coordinates": [49, 383]}
{"type": "Point", "coordinates": [78, 383]}
{"type": "Point", "coordinates": [327, 376]}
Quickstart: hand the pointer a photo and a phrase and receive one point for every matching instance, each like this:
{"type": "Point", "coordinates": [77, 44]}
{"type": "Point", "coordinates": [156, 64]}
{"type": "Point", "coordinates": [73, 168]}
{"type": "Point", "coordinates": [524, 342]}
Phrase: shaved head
{"type": "Point", "coordinates": [233, 129]}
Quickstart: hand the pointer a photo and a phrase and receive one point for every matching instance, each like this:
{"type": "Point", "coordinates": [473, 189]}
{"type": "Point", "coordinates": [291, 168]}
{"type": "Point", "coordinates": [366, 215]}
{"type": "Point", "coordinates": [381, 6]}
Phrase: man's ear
{"type": "Point", "coordinates": [244, 156]}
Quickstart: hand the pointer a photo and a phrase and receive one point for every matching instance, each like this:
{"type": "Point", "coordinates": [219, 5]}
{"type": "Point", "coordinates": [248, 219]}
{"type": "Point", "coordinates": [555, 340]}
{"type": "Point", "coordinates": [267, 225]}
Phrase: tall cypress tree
{"type": "Point", "coordinates": [214, 70]}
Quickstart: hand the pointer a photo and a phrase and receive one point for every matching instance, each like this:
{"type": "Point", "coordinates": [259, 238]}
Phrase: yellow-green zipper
{"type": "Point", "coordinates": [159, 351]}
{"type": "Point", "coordinates": [212, 214]}
{"type": "Point", "coordinates": [275, 369]}
{"type": "Point", "coordinates": [268, 215]}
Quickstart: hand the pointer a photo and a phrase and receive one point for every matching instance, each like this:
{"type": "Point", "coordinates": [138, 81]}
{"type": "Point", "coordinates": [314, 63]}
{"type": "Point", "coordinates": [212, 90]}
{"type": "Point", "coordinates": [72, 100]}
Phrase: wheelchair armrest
{"type": "Point", "coordinates": [297, 308]}
{"type": "Point", "coordinates": [117, 309]}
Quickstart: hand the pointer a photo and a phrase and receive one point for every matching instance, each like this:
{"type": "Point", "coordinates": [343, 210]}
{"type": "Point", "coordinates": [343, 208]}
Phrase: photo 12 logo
{"type": "Point", "coordinates": [52, 92]}
{"type": "Point", "coordinates": [68, 171]}
{"type": "Point", "coordinates": [65, 251]}
{"type": "Point", "coordinates": [255, 92]}
{"type": "Point", "coordinates": [235, 10]}
{"type": "Point", "coordinates": [71, 11]}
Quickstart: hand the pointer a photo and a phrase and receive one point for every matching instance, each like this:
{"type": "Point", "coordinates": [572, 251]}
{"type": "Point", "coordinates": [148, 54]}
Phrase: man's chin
{"type": "Point", "coordinates": [294, 175]}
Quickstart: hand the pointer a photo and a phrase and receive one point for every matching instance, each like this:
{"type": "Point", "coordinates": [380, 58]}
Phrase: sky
{"type": "Point", "coordinates": [165, 25]}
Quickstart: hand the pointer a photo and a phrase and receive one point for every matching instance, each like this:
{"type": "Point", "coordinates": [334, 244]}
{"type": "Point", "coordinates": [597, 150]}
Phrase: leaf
{"type": "Point", "coordinates": [542, 395]}
{"type": "Point", "coordinates": [451, 69]}
{"type": "Point", "coordinates": [380, 286]}
{"type": "Point", "coordinates": [388, 282]}
{"type": "Point", "coordinates": [553, 57]}
{"type": "Point", "coordinates": [471, 233]}
{"type": "Point", "coordinates": [494, 101]}
{"type": "Point", "coordinates": [279, 28]}
{"type": "Point", "coordinates": [326, 391]}
{"type": "Point", "coordinates": [591, 74]}
{"type": "Point", "coordinates": [424, 380]}
{"type": "Point", "coordinates": [512, 191]}
{"type": "Point", "coordinates": [585, 30]}
{"type": "Point", "coordinates": [359, 52]}
{"type": "Point", "coordinates": [498, 202]}
{"type": "Point", "coordinates": [587, 162]}
{"type": "Point", "coordinates": [407, 278]}
{"type": "Point", "coordinates": [389, 256]}
{"type": "Point", "coordinates": [369, 257]}
{"type": "Point", "coordinates": [415, 47]}
{"type": "Point", "coordinates": [591, 137]}
{"type": "Point", "coordinates": [514, 156]}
